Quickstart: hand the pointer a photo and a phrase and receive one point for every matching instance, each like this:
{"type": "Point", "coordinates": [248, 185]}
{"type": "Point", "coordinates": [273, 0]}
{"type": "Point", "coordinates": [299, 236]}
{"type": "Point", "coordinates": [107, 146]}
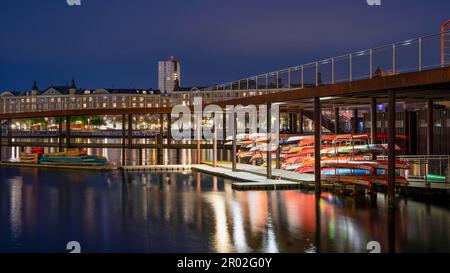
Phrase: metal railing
{"type": "Point", "coordinates": [422, 53]}
{"type": "Point", "coordinates": [426, 168]}
{"type": "Point", "coordinates": [416, 54]}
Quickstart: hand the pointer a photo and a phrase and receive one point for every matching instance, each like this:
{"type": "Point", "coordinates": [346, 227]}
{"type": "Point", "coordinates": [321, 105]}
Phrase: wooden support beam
{"type": "Point", "coordinates": [199, 137]}
{"type": "Point", "coordinates": [123, 140]}
{"type": "Point", "coordinates": [60, 134]}
{"type": "Point", "coordinates": [1, 138]}
{"type": "Point", "coordinates": [67, 132]}
{"type": "Point", "coordinates": [430, 127]}
{"type": "Point", "coordinates": [373, 120]}
{"type": "Point", "coordinates": [269, 137]}
{"type": "Point", "coordinates": [391, 149]}
{"type": "Point", "coordinates": [301, 122]}
{"type": "Point", "coordinates": [278, 148]}
{"type": "Point", "coordinates": [317, 143]}
{"type": "Point", "coordinates": [160, 139]}
{"type": "Point", "coordinates": [234, 150]}
{"type": "Point", "coordinates": [9, 133]}
{"type": "Point", "coordinates": [336, 120]}
{"type": "Point", "coordinates": [355, 121]}
{"type": "Point", "coordinates": [224, 136]}
{"type": "Point", "coordinates": [169, 129]}
{"type": "Point", "coordinates": [215, 143]}
{"type": "Point", "coordinates": [130, 131]}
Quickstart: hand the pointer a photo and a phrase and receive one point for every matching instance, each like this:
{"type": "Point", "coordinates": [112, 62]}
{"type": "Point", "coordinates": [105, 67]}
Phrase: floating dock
{"type": "Point", "coordinates": [150, 168]}
{"type": "Point", "coordinates": [58, 166]}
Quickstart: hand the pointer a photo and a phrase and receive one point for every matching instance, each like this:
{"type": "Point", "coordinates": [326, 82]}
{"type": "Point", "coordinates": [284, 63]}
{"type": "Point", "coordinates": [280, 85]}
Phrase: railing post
{"type": "Point", "coordinates": [317, 73]}
{"type": "Point", "coordinates": [302, 75]}
{"type": "Point", "coordinates": [278, 81]}
{"type": "Point", "coordinates": [393, 59]}
{"type": "Point", "coordinates": [289, 78]}
{"type": "Point", "coordinates": [267, 81]}
{"type": "Point", "coordinates": [420, 54]}
{"type": "Point", "coordinates": [332, 71]}
{"type": "Point", "coordinates": [350, 60]}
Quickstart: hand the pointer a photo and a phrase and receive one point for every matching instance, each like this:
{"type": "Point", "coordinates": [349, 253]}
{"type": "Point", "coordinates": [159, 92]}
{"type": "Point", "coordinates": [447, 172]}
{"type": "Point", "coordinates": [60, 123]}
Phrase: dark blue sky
{"type": "Point", "coordinates": [118, 42]}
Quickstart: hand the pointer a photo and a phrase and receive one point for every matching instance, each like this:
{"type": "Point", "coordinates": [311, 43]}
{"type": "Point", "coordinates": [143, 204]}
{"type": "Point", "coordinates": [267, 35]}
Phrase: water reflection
{"type": "Point", "coordinates": [41, 210]}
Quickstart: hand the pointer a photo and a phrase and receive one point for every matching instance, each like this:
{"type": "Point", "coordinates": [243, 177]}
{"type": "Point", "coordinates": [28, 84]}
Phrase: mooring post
{"type": "Point", "coordinates": [391, 149]}
{"type": "Point", "coordinates": [317, 143]}
{"type": "Point", "coordinates": [269, 142]}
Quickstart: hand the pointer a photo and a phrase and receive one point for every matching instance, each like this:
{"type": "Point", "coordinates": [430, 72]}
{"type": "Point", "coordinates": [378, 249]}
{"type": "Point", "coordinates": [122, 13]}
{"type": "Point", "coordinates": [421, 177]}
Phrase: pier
{"type": "Point", "coordinates": [387, 98]}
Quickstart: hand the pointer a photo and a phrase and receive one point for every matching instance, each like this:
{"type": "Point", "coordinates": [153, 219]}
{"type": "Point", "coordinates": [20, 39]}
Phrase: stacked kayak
{"type": "Point", "coordinates": [29, 158]}
{"type": "Point", "coordinates": [91, 160]}
{"type": "Point", "coordinates": [77, 157]}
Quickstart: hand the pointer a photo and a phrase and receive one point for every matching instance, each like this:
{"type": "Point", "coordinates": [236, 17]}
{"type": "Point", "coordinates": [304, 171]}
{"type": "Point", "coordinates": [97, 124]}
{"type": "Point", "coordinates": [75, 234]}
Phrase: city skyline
{"type": "Point", "coordinates": [211, 47]}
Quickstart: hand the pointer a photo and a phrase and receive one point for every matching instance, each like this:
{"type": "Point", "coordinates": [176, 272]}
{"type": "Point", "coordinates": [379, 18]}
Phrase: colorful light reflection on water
{"type": "Point", "coordinates": [42, 210]}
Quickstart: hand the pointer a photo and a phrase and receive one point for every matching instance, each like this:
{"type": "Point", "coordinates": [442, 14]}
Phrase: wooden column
{"type": "Point", "coordinates": [215, 143]}
{"type": "Point", "coordinates": [355, 121]}
{"type": "Point", "coordinates": [123, 140]}
{"type": "Point", "coordinates": [430, 127]}
{"type": "Point", "coordinates": [169, 130]}
{"type": "Point", "coordinates": [1, 139]}
{"type": "Point", "coordinates": [9, 133]}
{"type": "Point", "coordinates": [373, 120]}
{"type": "Point", "coordinates": [60, 134]}
{"type": "Point", "coordinates": [67, 132]}
{"type": "Point", "coordinates": [199, 138]}
{"type": "Point", "coordinates": [130, 131]}
{"type": "Point", "coordinates": [160, 139]}
{"type": "Point", "coordinates": [234, 150]}
{"type": "Point", "coordinates": [291, 122]}
{"type": "Point", "coordinates": [278, 149]}
{"type": "Point", "coordinates": [391, 149]}
{"type": "Point", "coordinates": [336, 120]}
{"type": "Point", "coordinates": [224, 136]}
{"type": "Point", "coordinates": [301, 122]}
{"type": "Point", "coordinates": [140, 156]}
{"type": "Point", "coordinates": [294, 123]}
{"type": "Point", "coordinates": [317, 142]}
{"type": "Point", "coordinates": [269, 137]}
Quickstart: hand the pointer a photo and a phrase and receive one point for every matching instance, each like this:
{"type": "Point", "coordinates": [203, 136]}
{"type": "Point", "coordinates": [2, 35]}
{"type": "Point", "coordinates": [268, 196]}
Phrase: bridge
{"type": "Point", "coordinates": [410, 72]}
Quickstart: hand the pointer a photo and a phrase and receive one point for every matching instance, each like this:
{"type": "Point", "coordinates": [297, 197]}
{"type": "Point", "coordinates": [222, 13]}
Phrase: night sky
{"type": "Point", "coordinates": [107, 43]}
